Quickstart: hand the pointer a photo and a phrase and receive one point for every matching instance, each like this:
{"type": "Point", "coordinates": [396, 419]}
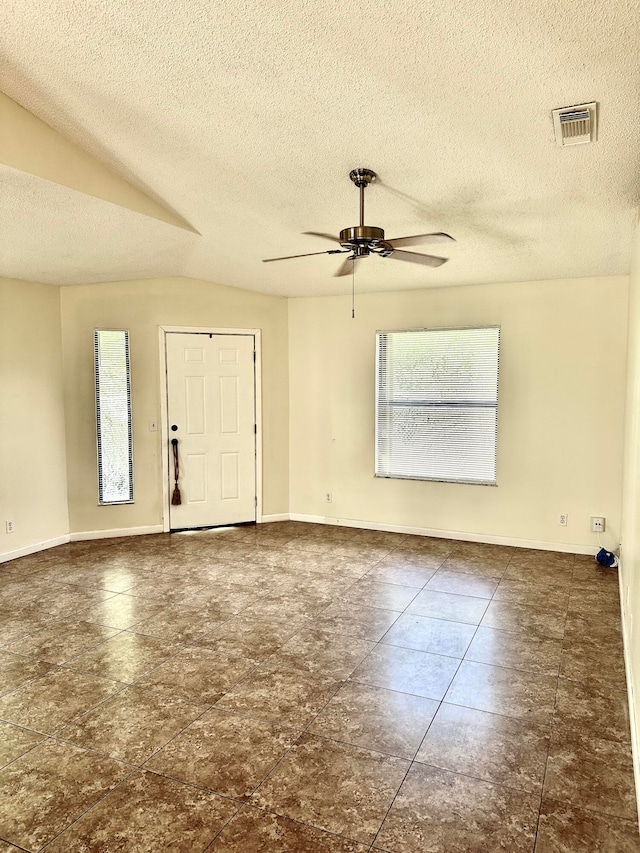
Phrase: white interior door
{"type": "Point", "coordinates": [211, 408]}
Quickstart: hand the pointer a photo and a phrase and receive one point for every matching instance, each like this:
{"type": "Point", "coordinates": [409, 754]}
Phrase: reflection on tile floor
{"type": "Point", "coordinates": [296, 687]}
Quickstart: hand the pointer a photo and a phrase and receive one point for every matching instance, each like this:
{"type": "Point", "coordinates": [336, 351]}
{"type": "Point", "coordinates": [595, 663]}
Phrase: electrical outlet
{"type": "Point", "coordinates": [563, 519]}
{"type": "Point", "coordinates": [328, 497]}
{"type": "Point", "coordinates": [9, 526]}
{"type": "Point", "coordinates": [597, 524]}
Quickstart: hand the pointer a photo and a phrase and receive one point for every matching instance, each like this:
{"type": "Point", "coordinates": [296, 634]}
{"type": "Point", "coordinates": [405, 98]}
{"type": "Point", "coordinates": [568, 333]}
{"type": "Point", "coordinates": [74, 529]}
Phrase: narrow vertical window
{"type": "Point", "coordinates": [113, 416]}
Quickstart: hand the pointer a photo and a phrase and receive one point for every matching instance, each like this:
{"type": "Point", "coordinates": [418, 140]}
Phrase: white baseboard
{"type": "Point", "coordinates": [460, 535]}
{"type": "Point", "coordinates": [82, 535]}
{"type": "Point", "coordinates": [33, 549]}
{"type": "Point", "coordinates": [633, 711]}
{"type": "Point", "coordinates": [279, 516]}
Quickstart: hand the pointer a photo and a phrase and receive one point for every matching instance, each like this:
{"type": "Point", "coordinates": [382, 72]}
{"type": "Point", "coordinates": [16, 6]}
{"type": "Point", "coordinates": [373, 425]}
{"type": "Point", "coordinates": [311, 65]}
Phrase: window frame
{"type": "Point", "coordinates": [99, 438]}
{"type": "Point", "coordinates": [379, 367]}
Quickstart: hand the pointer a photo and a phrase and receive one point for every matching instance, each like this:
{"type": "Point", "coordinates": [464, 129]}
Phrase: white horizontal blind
{"type": "Point", "coordinates": [437, 404]}
{"type": "Point", "coordinates": [113, 416]}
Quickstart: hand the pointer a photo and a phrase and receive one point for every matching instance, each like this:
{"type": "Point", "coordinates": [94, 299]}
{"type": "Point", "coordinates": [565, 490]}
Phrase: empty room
{"type": "Point", "coordinates": [301, 552]}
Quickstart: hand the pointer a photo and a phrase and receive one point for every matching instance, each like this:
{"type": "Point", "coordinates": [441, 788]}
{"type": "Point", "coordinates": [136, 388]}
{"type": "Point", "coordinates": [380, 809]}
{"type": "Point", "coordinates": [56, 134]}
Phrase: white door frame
{"type": "Point", "coordinates": [164, 431]}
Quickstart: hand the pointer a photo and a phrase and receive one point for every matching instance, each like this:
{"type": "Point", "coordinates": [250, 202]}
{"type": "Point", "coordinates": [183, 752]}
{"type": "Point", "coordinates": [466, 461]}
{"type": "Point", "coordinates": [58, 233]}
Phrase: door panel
{"type": "Point", "coordinates": [211, 399]}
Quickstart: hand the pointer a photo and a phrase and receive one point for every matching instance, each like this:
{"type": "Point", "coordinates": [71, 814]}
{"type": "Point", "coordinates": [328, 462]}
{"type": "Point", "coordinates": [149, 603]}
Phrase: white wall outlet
{"type": "Point", "coordinates": [153, 426]}
{"type": "Point", "coordinates": [328, 497]}
{"type": "Point", "coordinates": [563, 519]}
{"type": "Point", "coordinates": [9, 526]}
{"type": "Point", "coordinates": [597, 524]}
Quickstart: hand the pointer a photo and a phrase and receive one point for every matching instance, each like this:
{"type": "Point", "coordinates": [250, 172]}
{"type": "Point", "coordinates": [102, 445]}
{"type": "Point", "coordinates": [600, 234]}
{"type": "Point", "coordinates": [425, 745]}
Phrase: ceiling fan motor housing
{"type": "Point", "coordinates": [361, 235]}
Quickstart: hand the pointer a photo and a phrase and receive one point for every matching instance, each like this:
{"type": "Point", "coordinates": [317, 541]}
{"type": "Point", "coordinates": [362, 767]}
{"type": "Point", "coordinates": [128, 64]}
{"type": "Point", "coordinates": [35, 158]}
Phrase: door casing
{"type": "Point", "coordinates": [164, 427]}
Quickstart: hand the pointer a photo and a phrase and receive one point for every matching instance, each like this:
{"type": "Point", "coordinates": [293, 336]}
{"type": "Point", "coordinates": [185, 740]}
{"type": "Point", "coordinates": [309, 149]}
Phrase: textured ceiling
{"type": "Point", "coordinates": [246, 119]}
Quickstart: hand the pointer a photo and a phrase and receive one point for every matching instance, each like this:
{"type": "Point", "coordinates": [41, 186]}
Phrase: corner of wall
{"type": "Point", "coordinates": [630, 536]}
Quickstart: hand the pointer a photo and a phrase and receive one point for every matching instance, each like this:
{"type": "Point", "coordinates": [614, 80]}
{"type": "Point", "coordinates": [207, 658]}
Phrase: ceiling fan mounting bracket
{"type": "Point", "coordinates": [362, 177]}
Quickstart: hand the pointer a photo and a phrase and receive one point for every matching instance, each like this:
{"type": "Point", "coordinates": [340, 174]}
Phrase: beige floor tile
{"type": "Point", "coordinates": [148, 812]}
{"type": "Point", "coordinates": [438, 811]}
{"type": "Point", "coordinates": [45, 790]}
{"type": "Point", "coordinates": [132, 725]}
{"type": "Point", "coordinates": [225, 753]}
{"type": "Point", "coordinates": [305, 786]}
{"type": "Point", "coordinates": [377, 719]}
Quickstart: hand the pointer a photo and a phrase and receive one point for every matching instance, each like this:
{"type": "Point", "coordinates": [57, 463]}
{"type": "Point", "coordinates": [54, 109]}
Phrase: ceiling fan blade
{"type": "Point", "coordinates": [322, 234]}
{"type": "Point", "coordinates": [421, 239]}
{"type": "Point", "coordinates": [417, 258]}
{"type": "Point", "coordinates": [307, 255]}
{"type": "Point", "coordinates": [346, 267]}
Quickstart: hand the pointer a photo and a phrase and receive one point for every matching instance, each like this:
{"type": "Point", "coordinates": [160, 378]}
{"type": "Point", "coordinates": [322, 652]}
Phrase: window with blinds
{"type": "Point", "coordinates": [437, 404]}
{"type": "Point", "coordinates": [113, 416]}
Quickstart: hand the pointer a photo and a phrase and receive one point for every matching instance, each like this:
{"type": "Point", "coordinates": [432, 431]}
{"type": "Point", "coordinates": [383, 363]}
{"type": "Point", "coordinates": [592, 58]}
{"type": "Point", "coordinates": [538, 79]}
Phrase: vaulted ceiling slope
{"type": "Point", "coordinates": [245, 120]}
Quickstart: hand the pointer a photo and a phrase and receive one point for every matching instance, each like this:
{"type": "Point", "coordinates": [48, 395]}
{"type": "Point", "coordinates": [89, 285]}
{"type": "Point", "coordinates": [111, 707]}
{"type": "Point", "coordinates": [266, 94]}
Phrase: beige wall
{"type": "Point", "coordinates": [560, 432]}
{"type": "Point", "coordinates": [630, 551]}
{"type": "Point", "coordinates": [141, 307]}
{"type": "Point", "coordinates": [33, 477]}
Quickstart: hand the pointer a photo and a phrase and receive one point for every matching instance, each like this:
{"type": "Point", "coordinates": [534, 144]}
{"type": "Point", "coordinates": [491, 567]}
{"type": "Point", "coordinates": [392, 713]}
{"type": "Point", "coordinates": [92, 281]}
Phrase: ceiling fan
{"type": "Point", "coordinates": [363, 240]}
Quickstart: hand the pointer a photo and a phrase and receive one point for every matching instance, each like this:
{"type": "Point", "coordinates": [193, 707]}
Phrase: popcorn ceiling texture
{"type": "Point", "coordinates": [245, 119]}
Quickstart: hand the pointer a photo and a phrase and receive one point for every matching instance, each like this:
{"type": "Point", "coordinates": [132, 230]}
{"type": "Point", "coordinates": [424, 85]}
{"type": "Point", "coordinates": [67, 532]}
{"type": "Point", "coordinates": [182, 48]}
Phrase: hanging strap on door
{"type": "Point", "coordinates": [176, 497]}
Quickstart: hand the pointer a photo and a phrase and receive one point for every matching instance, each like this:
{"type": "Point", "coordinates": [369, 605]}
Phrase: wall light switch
{"type": "Point", "coordinates": [153, 426]}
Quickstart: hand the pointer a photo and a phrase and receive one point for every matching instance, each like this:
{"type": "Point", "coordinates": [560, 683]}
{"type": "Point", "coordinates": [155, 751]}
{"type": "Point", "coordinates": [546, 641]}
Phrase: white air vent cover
{"type": "Point", "coordinates": [575, 125]}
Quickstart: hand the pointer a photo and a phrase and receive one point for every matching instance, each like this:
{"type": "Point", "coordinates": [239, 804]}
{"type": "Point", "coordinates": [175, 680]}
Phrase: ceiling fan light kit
{"type": "Point", "coordinates": [362, 240]}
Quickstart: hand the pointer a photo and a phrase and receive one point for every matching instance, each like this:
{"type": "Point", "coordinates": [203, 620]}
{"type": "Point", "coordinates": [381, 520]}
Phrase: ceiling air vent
{"type": "Point", "coordinates": [575, 125]}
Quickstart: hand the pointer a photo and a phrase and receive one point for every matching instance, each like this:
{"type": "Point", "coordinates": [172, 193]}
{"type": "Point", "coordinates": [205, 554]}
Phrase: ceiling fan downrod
{"type": "Point", "coordinates": [362, 238]}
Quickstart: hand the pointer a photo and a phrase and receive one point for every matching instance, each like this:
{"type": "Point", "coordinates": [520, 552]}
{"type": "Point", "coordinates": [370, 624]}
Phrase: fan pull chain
{"type": "Point", "coordinates": [353, 288]}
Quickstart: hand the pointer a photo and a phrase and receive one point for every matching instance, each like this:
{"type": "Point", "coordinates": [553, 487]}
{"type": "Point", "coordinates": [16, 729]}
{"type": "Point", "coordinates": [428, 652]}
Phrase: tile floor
{"type": "Point", "coordinates": [301, 688]}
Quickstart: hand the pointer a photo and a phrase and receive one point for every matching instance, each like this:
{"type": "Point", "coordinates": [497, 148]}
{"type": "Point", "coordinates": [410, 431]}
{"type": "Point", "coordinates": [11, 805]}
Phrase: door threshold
{"type": "Point", "coordinates": [212, 527]}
